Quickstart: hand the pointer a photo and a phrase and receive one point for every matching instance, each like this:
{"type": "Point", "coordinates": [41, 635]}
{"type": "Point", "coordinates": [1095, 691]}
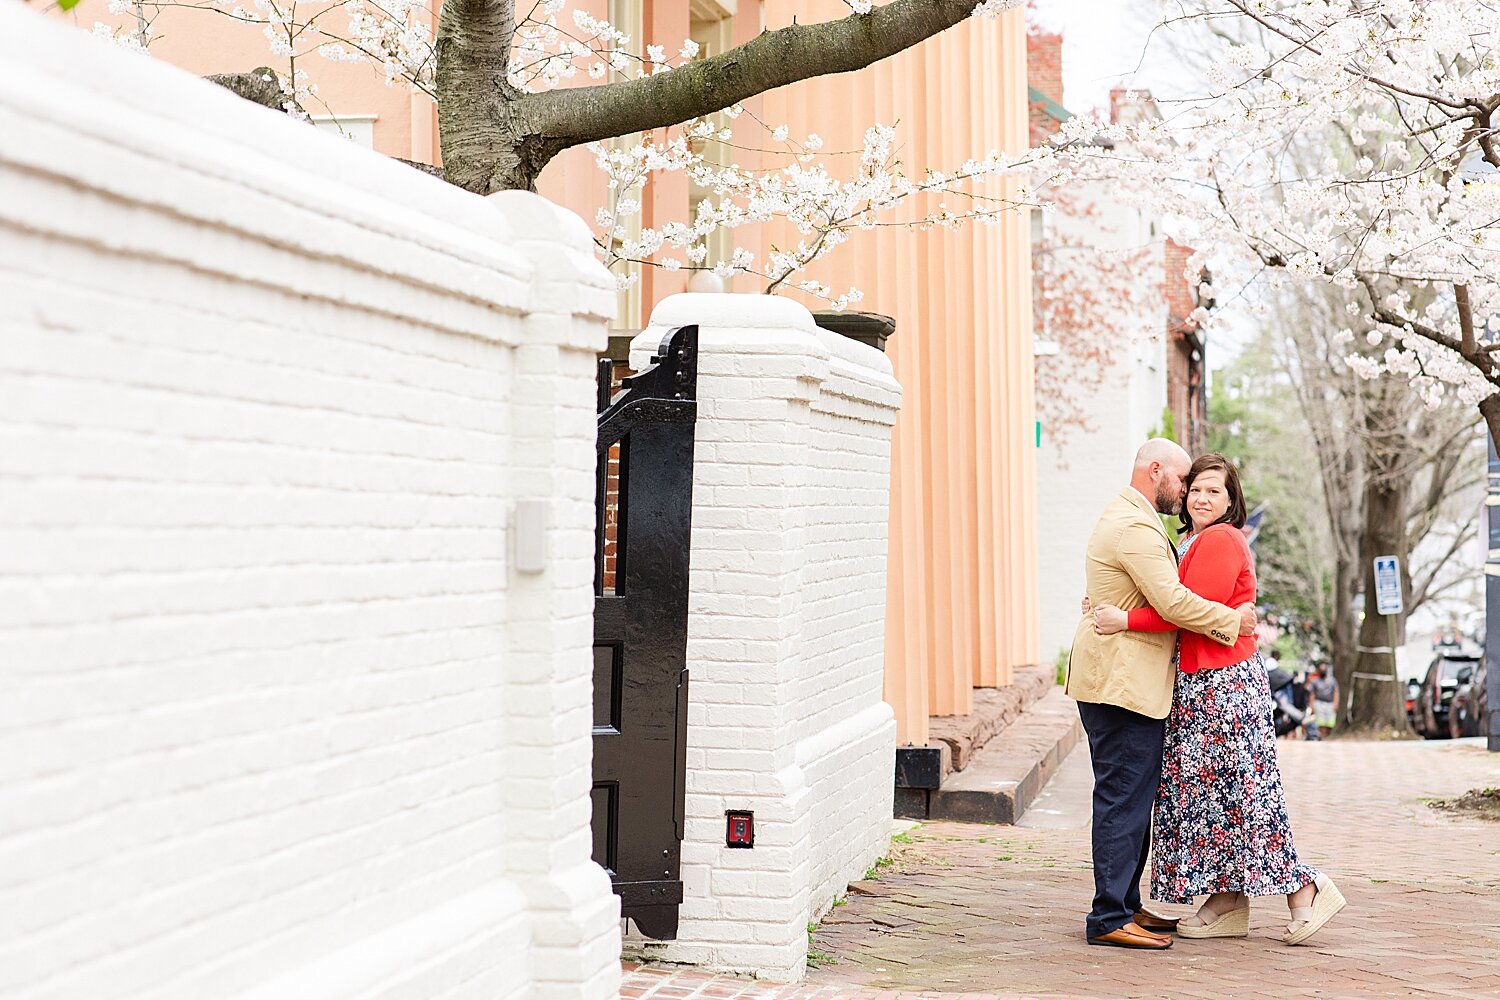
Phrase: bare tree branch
{"type": "Point", "coordinates": [575, 115]}
{"type": "Point", "coordinates": [1429, 588]}
{"type": "Point", "coordinates": [496, 136]}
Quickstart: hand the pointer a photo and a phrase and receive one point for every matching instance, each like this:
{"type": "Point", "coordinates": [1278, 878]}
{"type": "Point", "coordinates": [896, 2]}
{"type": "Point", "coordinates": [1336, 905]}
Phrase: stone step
{"type": "Point", "coordinates": [994, 709]}
{"type": "Point", "coordinates": [1004, 777]}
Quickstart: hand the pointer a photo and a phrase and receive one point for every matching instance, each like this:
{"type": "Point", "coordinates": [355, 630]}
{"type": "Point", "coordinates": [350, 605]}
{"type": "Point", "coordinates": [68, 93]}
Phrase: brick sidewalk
{"type": "Point", "coordinates": [997, 911]}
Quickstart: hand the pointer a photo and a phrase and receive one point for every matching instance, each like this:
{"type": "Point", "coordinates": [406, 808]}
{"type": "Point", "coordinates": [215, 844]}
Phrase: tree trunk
{"type": "Point", "coordinates": [1372, 691]}
{"type": "Point", "coordinates": [1342, 651]}
{"type": "Point", "coordinates": [486, 148]}
{"type": "Point", "coordinates": [496, 137]}
{"type": "Point", "coordinates": [1489, 408]}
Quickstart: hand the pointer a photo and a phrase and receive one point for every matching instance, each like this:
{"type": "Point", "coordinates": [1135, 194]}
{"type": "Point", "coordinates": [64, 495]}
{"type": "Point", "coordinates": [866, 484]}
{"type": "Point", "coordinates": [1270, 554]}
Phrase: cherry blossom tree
{"type": "Point", "coordinates": [517, 83]}
{"type": "Point", "coordinates": [1406, 199]}
{"type": "Point", "coordinates": [495, 66]}
{"type": "Point", "coordinates": [1398, 202]}
{"type": "Point", "coordinates": [1350, 467]}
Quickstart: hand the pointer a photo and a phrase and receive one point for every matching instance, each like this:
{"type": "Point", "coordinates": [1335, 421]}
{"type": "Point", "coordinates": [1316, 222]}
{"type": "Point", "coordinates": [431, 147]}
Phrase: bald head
{"type": "Point", "coordinates": [1162, 450]}
{"type": "Point", "coordinates": [1159, 471]}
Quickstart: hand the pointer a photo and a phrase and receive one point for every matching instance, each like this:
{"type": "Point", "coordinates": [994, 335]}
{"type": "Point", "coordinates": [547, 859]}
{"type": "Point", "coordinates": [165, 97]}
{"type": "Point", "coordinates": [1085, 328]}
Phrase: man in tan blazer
{"type": "Point", "coordinates": [1123, 684]}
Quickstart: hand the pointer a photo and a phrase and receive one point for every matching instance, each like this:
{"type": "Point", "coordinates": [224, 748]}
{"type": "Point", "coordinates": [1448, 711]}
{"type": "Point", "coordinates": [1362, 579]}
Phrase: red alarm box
{"type": "Point", "coordinates": [739, 828]}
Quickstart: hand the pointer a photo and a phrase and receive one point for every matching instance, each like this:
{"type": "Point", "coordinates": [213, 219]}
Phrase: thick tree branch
{"type": "Point", "coordinates": [1487, 140]}
{"type": "Point", "coordinates": [576, 115]}
{"type": "Point", "coordinates": [259, 86]}
{"type": "Point", "coordinates": [426, 168]}
{"type": "Point", "coordinates": [1465, 319]}
{"type": "Point", "coordinates": [1391, 318]}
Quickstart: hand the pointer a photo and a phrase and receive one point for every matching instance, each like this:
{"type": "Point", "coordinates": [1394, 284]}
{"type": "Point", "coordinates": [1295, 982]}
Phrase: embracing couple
{"type": "Point", "coordinates": [1179, 722]}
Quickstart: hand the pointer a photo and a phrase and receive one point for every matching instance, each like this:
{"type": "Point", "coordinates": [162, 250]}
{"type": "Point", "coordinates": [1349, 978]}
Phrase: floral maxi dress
{"type": "Point", "coordinates": [1220, 818]}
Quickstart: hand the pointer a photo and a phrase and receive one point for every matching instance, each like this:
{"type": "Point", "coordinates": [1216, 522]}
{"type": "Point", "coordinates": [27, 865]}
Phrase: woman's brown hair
{"type": "Point", "coordinates": [1236, 513]}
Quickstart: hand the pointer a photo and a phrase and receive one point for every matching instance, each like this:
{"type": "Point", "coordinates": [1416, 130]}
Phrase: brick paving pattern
{"type": "Point", "coordinates": [983, 912]}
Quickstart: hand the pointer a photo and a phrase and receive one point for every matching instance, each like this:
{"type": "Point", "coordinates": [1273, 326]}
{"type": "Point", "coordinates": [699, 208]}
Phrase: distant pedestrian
{"type": "Point", "coordinates": [1302, 702]}
{"type": "Point", "coordinates": [1325, 694]}
{"type": "Point", "coordinates": [1221, 821]}
{"type": "Point", "coordinates": [1124, 688]}
{"type": "Point", "coordinates": [1286, 718]}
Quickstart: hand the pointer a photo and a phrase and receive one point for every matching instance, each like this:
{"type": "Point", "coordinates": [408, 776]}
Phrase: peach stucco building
{"type": "Point", "coordinates": [962, 610]}
{"type": "Point", "coordinates": [962, 606]}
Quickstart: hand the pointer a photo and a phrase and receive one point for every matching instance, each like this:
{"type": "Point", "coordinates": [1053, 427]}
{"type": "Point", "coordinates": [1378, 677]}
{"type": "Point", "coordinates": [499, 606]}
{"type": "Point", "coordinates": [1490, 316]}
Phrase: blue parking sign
{"type": "Point", "coordinates": [1388, 585]}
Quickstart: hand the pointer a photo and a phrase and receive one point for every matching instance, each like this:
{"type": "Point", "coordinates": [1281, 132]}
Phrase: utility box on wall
{"type": "Point", "coordinates": [740, 829]}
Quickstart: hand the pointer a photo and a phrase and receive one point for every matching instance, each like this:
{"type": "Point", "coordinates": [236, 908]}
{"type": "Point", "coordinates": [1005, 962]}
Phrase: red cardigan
{"type": "Point", "coordinates": [1217, 567]}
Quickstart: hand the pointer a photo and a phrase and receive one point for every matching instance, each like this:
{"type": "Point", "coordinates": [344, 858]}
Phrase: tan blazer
{"type": "Point", "coordinates": [1131, 563]}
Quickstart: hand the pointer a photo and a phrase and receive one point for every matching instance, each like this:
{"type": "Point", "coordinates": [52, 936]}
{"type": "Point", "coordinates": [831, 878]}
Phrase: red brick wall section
{"type": "Point", "coordinates": [1182, 298]}
{"type": "Point", "coordinates": [1130, 105]}
{"type": "Point", "coordinates": [612, 496]}
{"type": "Point", "coordinates": [1044, 73]}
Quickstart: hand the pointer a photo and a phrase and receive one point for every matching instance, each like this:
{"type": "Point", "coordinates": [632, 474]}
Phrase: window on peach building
{"type": "Point", "coordinates": [713, 29]}
{"type": "Point", "coordinates": [628, 16]}
{"type": "Point", "coordinates": [358, 129]}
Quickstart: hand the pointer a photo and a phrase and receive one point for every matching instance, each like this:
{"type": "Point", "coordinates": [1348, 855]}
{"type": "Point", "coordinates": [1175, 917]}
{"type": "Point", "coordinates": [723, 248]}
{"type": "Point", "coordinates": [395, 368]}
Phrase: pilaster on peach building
{"type": "Point", "coordinates": [962, 607]}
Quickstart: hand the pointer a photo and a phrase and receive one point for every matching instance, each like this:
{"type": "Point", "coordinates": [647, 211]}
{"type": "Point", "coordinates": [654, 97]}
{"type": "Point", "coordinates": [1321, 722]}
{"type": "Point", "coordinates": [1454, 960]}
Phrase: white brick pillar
{"type": "Point", "coordinates": [575, 947]}
{"type": "Point", "coordinates": [785, 637]}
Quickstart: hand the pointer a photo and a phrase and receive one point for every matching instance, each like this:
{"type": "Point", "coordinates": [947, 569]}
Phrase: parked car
{"type": "Point", "coordinates": [1468, 715]}
{"type": "Point", "coordinates": [1450, 669]}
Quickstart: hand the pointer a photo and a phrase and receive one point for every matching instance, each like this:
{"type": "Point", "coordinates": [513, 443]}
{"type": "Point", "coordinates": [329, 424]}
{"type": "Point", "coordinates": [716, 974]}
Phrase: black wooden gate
{"type": "Point", "coordinates": [640, 629]}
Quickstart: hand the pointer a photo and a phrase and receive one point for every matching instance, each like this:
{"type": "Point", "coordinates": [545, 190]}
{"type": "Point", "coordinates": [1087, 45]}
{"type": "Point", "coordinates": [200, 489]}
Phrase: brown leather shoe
{"type": "Point", "coordinates": [1151, 922]}
{"type": "Point", "coordinates": [1133, 936]}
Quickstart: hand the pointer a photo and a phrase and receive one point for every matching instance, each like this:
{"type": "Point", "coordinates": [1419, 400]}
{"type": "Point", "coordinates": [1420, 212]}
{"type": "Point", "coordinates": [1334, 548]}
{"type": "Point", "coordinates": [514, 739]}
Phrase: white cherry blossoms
{"type": "Point", "coordinates": [557, 45]}
{"type": "Point", "coordinates": [1356, 144]}
{"type": "Point", "coordinates": [823, 208]}
{"type": "Point", "coordinates": [396, 35]}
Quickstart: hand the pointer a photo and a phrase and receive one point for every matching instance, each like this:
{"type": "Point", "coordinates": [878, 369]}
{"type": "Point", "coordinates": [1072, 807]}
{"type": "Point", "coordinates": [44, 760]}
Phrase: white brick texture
{"type": "Point", "coordinates": [280, 720]}
{"type": "Point", "coordinates": [791, 501]}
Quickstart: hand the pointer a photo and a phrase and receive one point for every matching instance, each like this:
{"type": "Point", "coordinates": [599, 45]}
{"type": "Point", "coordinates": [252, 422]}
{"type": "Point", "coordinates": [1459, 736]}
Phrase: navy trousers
{"type": "Point", "coordinates": [1126, 748]}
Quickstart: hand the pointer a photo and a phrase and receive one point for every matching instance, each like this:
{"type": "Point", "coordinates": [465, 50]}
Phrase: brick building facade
{"type": "Point", "coordinates": [1187, 388]}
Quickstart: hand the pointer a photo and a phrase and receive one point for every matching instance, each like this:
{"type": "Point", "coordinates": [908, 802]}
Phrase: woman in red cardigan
{"type": "Point", "coordinates": [1220, 820]}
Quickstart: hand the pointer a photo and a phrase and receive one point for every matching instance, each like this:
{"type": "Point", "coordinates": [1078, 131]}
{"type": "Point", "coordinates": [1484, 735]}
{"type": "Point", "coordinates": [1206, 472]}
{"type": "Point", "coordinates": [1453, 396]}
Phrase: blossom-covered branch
{"type": "Point", "coordinates": [1354, 143]}
{"type": "Point", "coordinates": [504, 77]}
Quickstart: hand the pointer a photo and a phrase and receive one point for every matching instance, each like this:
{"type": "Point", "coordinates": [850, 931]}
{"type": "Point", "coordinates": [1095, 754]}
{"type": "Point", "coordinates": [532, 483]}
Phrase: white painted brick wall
{"type": "Point", "coordinates": [786, 635]}
{"type": "Point", "coordinates": [279, 718]}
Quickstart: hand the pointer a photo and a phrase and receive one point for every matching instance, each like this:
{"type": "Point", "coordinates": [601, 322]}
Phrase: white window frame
{"type": "Point", "coordinates": [361, 133]}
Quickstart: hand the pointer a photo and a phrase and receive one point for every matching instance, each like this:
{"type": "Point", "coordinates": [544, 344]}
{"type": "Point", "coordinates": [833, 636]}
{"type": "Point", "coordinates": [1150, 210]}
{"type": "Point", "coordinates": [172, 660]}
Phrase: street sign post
{"type": "Point", "coordinates": [1492, 603]}
{"type": "Point", "coordinates": [1388, 602]}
